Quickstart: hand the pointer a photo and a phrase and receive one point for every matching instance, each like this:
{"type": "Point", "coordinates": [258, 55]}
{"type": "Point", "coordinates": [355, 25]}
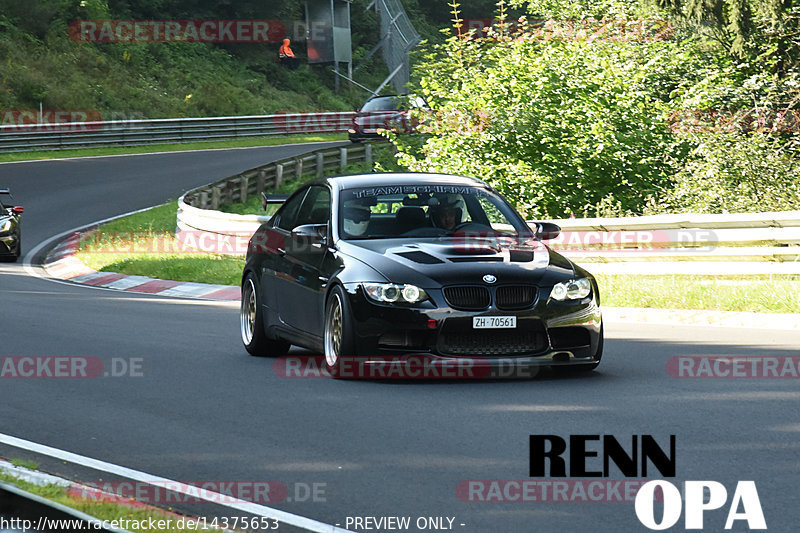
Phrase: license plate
{"type": "Point", "coordinates": [494, 322]}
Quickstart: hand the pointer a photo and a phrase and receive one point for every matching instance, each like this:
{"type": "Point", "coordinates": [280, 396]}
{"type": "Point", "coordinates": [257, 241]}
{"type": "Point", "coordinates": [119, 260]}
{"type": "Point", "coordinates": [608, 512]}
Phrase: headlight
{"type": "Point", "coordinates": [5, 226]}
{"type": "Point", "coordinates": [574, 289]}
{"type": "Point", "coordinates": [390, 293]}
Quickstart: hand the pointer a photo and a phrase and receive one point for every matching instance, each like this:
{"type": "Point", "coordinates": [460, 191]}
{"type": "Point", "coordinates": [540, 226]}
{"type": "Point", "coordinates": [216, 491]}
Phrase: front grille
{"type": "Point", "coordinates": [515, 297]}
{"type": "Point", "coordinates": [467, 298]}
{"type": "Point", "coordinates": [458, 338]}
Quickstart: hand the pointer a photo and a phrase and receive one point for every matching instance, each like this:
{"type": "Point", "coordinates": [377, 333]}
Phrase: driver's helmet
{"type": "Point", "coordinates": [356, 218]}
{"type": "Point", "coordinates": [444, 205]}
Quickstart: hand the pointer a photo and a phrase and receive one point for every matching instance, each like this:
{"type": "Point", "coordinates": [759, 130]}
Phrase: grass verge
{"type": "Point", "coordinates": [102, 510]}
{"type": "Point", "coordinates": [140, 245]}
{"type": "Point", "coordinates": [175, 147]}
{"type": "Point", "coordinates": [762, 294]}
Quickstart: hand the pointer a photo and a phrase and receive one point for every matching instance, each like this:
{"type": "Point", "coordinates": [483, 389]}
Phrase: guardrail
{"type": "Point", "coordinates": [59, 136]}
{"type": "Point", "coordinates": [198, 208]}
{"type": "Point", "coordinates": [740, 243]}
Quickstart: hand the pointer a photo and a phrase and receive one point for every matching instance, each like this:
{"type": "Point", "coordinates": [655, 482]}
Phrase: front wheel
{"type": "Point", "coordinates": [251, 322]}
{"type": "Point", "coordinates": [338, 332]}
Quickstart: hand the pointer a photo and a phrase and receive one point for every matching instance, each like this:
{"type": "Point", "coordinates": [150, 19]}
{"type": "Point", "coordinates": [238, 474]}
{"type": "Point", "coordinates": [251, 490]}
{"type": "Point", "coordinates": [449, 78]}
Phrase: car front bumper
{"type": "Point", "coordinates": [547, 334]}
{"type": "Point", "coordinates": [9, 244]}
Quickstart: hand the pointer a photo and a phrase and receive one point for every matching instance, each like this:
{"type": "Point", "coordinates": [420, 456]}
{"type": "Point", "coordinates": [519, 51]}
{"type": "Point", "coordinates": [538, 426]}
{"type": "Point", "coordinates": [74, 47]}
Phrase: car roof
{"type": "Point", "coordinates": [399, 178]}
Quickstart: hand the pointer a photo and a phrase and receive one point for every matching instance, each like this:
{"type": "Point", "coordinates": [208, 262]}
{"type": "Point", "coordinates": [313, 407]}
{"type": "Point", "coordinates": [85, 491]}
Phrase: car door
{"type": "Point", "coordinates": [299, 282]}
{"type": "Point", "coordinates": [272, 264]}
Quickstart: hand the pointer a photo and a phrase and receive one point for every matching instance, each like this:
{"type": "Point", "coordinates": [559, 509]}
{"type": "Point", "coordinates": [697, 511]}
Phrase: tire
{"type": "Point", "coordinates": [251, 322]}
{"type": "Point", "coordinates": [338, 334]}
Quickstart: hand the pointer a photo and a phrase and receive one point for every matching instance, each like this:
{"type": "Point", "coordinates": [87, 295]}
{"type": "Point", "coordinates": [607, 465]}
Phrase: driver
{"type": "Point", "coordinates": [446, 215]}
{"type": "Point", "coordinates": [356, 218]}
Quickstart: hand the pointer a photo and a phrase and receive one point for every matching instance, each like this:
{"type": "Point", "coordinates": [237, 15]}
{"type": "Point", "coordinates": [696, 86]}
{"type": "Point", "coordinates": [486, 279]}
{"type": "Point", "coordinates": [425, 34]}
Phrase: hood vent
{"type": "Point", "coordinates": [421, 257]}
{"type": "Point", "coordinates": [520, 256]}
{"type": "Point", "coordinates": [478, 259]}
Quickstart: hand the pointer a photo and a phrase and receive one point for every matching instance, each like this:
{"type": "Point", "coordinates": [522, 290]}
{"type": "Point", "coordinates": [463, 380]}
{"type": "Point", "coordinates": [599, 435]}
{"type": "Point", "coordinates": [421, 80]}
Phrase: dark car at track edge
{"type": "Point", "coordinates": [10, 227]}
{"type": "Point", "coordinates": [383, 265]}
{"type": "Point", "coordinates": [383, 113]}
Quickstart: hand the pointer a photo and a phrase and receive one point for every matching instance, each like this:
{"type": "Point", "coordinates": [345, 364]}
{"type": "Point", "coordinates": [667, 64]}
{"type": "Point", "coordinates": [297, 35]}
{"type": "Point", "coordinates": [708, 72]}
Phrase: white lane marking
{"type": "Point", "coordinates": [167, 152]}
{"type": "Point", "coordinates": [182, 488]}
{"type": "Point", "coordinates": [190, 289]}
{"type": "Point", "coordinates": [129, 282]}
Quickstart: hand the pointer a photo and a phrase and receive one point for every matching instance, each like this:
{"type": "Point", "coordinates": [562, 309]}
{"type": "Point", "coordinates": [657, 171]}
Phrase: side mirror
{"type": "Point", "coordinates": [18, 209]}
{"type": "Point", "coordinates": [313, 234]}
{"type": "Point", "coordinates": [267, 199]}
{"type": "Point", "coordinates": [547, 230]}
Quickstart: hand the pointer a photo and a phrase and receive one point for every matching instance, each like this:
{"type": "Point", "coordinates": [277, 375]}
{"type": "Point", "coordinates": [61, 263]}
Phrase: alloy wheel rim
{"type": "Point", "coordinates": [333, 332]}
{"type": "Point", "coordinates": [248, 312]}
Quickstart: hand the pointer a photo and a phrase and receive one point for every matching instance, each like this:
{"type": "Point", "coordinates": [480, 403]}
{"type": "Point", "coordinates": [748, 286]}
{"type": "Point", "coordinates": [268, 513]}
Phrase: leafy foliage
{"type": "Point", "coordinates": [578, 125]}
{"type": "Point", "coordinates": [42, 65]}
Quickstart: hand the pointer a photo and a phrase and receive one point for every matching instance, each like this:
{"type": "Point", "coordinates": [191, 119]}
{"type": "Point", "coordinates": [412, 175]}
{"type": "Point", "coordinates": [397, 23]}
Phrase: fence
{"type": "Point", "coordinates": [198, 209]}
{"type": "Point", "coordinates": [64, 135]}
{"type": "Point", "coordinates": [399, 37]}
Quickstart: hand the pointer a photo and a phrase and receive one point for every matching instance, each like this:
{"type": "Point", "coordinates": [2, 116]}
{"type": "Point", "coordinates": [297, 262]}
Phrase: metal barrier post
{"type": "Point", "coordinates": [320, 164]}
{"type": "Point", "coordinates": [278, 176]}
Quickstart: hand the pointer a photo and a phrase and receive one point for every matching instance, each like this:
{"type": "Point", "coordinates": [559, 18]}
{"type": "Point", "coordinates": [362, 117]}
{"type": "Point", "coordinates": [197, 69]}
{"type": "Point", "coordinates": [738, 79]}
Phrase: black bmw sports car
{"type": "Point", "coordinates": [10, 231]}
{"type": "Point", "coordinates": [378, 266]}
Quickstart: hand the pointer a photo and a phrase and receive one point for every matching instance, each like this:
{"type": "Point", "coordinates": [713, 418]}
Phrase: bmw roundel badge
{"type": "Point", "coordinates": [488, 278]}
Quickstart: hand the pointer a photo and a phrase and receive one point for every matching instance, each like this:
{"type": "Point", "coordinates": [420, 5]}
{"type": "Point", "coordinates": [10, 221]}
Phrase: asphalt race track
{"type": "Point", "coordinates": [202, 409]}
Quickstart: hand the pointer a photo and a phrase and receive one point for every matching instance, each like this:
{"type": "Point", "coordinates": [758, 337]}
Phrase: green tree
{"type": "Point", "coordinates": [762, 30]}
{"type": "Point", "coordinates": [559, 126]}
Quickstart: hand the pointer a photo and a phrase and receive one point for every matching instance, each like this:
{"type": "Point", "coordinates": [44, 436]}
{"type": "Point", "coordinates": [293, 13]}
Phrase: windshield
{"type": "Point", "coordinates": [386, 103]}
{"type": "Point", "coordinates": [392, 211]}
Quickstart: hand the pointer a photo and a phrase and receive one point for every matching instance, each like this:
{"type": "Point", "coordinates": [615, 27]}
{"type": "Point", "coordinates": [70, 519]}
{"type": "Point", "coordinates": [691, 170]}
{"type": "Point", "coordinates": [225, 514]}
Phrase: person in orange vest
{"type": "Point", "coordinates": [286, 56]}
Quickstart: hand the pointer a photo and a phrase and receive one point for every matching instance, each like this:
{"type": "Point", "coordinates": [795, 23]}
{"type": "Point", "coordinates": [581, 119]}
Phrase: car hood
{"type": "Point", "coordinates": [449, 261]}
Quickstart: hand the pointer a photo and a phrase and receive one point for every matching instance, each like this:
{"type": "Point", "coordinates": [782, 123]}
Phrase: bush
{"type": "Point", "coordinates": [555, 126]}
{"type": "Point", "coordinates": [586, 126]}
{"type": "Point", "coordinates": [733, 173]}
